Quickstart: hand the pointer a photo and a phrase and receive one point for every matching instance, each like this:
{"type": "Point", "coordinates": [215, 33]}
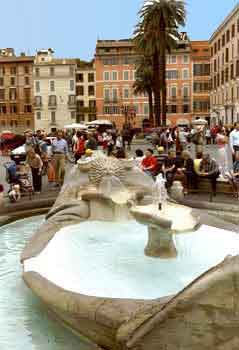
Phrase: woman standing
{"type": "Point", "coordinates": [224, 158]}
{"type": "Point", "coordinates": [79, 146]}
{"type": "Point", "coordinates": [35, 162]}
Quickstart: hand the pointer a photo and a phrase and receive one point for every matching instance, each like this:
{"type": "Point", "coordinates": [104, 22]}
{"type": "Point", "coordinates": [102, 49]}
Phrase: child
{"type": "Point", "coordinates": [14, 194]}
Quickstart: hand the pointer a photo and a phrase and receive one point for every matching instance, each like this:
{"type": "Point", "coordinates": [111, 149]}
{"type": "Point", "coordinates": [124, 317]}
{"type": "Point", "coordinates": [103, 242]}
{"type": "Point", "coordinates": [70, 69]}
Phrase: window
{"type": "Point", "coordinates": [37, 86]}
{"type": "Point", "coordinates": [3, 109]}
{"type": "Point", "coordinates": [114, 95]}
{"type": "Point", "coordinates": [27, 81]}
{"type": "Point", "coordinates": [13, 108]}
{"type": "Point", "coordinates": [215, 48]}
{"type": "Point", "coordinates": [38, 101]}
{"type": "Point", "coordinates": [53, 116]}
{"type": "Point", "coordinates": [226, 74]}
{"type": "Point", "coordinates": [52, 71]}
{"type": "Point", "coordinates": [173, 109]}
{"type": "Point", "coordinates": [114, 75]}
{"type": "Point", "coordinates": [38, 115]}
{"type": "Point", "coordinates": [219, 44]}
{"type": "Point", "coordinates": [12, 94]}
{"type": "Point", "coordinates": [215, 66]}
{"type": "Point", "coordinates": [201, 69]}
{"type": "Point", "coordinates": [52, 100]}
{"type": "Point", "coordinates": [27, 109]}
{"type": "Point", "coordinates": [227, 55]}
{"type": "Point", "coordinates": [92, 104]}
{"type": "Point", "coordinates": [106, 76]}
{"type": "Point", "coordinates": [185, 92]}
{"type": "Point", "coordinates": [72, 85]}
{"type": "Point", "coordinates": [223, 40]}
{"type": "Point", "coordinates": [91, 77]}
{"type": "Point", "coordinates": [237, 68]}
{"type": "Point", "coordinates": [185, 59]}
{"type": "Point", "coordinates": [80, 90]}
{"type": "Point", "coordinates": [37, 72]}
{"type": "Point", "coordinates": [107, 94]}
{"type": "Point", "coordinates": [2, 94]}
{"type": "Point", "coordinates": [173, 92]}
{"type": "Point", "coordinates": [232, 71]}
{"type": "Point", "coordinates": [80, 77]}
{"type": "Point", "coordinates": [2, 71]}
{"type": "Point", "coordinates": [232, 51]}
{"type": "Point", "coordinates": [126, 93]}
{"type": "Point", "coordinates": [126, 75]}
{"type": "Point", "coordinates": [233, 30]}
{"type": "Point", "coordinates": [201, 106]}
{"type": "Point", "coordinates": [12, 81]}
{"type": "Point", "coordinates": [28, 123]}
{"type": "Point", "coordinates": [173, 59]}
{"type": "Point", "coordinates": [1, 81]}
{"type": "Point", "coordinates": [228, 35]}
{"type": "Point", "coordinates": [27, 95]}
{"type": "Point", "coordinates": [186, 109]}
{"type": "Point", "coordinates": [185, 74]}
{"type": "Point", "coordinates": [52, 85]}
{"type": "Point", "coordinates": [73, 114]}
{"type": "Point", "coordinates": [172, 74]}
{"type": "Point", "coordinates": [13, 70]}
{"type": "Point", "coordinates": [91, 90]}
{"type": "Point", "coordinates": [222, 77]}
{"type": "Point", "coordinates": [26, 69]}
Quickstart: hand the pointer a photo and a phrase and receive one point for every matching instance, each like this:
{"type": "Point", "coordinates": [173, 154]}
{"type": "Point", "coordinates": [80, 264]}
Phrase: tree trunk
{"type": "Point", "coordinates": [162, 70]}
{"type": "Point", "coordinates": [151, 110]}
{"type": "Point", "coordinates": [156, 89]}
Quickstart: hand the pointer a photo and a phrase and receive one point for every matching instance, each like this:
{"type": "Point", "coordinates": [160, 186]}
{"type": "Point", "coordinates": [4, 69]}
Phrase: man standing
{"type": "Point", "coordinates": [234, 139]}
{"type": "Point", "coordinates": [209, 169]}
{"type": "Point", "coordinates": [60, 152]}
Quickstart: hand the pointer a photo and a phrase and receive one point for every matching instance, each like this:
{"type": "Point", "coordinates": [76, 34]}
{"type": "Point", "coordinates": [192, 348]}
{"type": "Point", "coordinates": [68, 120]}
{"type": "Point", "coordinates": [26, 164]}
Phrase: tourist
{"type": "Point", "coordinates": [190, 180]}
{"type": "Point", "coordinates": [88, 154]}
{"type": "Point", "coordinates": [139, 156]}
{"type": "Point", "coordinates": [208, 136]}
{"type": "Point", "coordinates": [79, 146]}
{"type": "Point", "coordinates": [224, 154]}
{"type": "Point", "coordinates": [91, 143]}
{"type": "Point", "coordinates": [119, 153]}
{"type": "Point", "coordinates": [161, 157]}
{"type": "Point", "coordinates": [163, 140]}
{"type": "Point", "coordinates": [197, 162]}
{"type": "Point", "coordinates": [149, 163]}
{"type": "Point", "coordinates": [110, 143]}
{"type": "Point", "coordinates": [14, 193]}
{"type": "Point", "coordinates": [183, 138]}
{"type": "Point", "coordinates": [234, 176]}
{"type": "Point", "coordinates": [198, 139]}
{"type": "Point", "coordinates": [119, 141]}
{"type": "Point", "coordinates": [34, 161]}
{"type": "Point", "coordinates": [171, 165]}
{"type": "Point", "coordinates": [60, 153]}
{"type": "Point", "coordinates": [234, 139]}
{"type": "Point", "coordinates": [209, 170]}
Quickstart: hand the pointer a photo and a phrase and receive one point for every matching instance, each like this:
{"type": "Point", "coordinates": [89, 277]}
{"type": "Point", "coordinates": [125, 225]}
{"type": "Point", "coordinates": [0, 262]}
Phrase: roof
{"type": "Point", "coordinates": [224, 23]}
{"type": "Point", "coordinates": [16, 59]}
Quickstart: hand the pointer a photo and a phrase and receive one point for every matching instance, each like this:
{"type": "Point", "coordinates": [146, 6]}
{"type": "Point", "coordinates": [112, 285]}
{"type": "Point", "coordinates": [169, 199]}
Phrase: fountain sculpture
{"type": "Point", "coordinates": [102, 189]}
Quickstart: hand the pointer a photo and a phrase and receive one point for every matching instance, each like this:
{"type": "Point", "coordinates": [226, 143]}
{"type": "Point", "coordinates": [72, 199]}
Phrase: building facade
{"type": "Point", "coordinates": [115, 76]}
{"type": "Point", "coordinates": [54, 91]}
{"type": "Point", "coordinates": [224, 47]}
{"type": "Point", "coordinates": [201, 80]}
{"type": "Point", "coordinates": [16, 91]}
{"type": "Point", "coordinates": [85, 92]}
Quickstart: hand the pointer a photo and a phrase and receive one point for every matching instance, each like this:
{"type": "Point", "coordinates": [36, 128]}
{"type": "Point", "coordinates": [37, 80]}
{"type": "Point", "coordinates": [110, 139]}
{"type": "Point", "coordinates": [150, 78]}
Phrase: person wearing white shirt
{"type": "Point", "coordinates": [234, 139]}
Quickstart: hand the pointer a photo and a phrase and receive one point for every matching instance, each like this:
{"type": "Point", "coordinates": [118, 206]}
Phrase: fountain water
{"type": "Point", "coordinates": [81, 252]}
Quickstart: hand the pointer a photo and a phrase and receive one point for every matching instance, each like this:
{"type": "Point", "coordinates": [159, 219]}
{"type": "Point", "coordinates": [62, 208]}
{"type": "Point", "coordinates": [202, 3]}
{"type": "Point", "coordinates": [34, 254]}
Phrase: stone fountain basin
{"type": "Point", "coordinates": [119, 321]}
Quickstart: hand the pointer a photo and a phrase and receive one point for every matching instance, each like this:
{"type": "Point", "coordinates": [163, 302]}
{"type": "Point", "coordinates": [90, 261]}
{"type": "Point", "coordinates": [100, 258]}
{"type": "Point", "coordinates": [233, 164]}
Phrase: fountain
{"type": "Point", "coordinates": [87, 263]}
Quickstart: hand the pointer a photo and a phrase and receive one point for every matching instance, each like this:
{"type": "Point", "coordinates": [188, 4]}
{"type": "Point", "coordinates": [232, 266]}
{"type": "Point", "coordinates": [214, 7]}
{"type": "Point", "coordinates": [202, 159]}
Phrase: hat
{"type": "Point", "coordinates": [160, 149]}
{"type": "Point", "coordinates": [88, 152]}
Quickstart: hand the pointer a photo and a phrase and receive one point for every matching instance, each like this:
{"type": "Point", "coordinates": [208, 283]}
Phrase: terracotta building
{"type": "Point", "coordinates": [115, 75]}
{"type": "Point", "coordinates": [85, 92]}
{"type": "Point", "coordinates": [200, 56]}
{"type": "Point", "coordinates": [16, 91]}
{"type": "Point", "coordinates": [224, 46]}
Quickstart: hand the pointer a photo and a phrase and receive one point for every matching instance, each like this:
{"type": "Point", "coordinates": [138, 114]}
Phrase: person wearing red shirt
{"type": "Point", "coordinates": [149, 163]}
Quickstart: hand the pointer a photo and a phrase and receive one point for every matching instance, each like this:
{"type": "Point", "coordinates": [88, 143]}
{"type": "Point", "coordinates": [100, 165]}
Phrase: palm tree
{"type": "Point", "coordinates": [143, 82]}
{"type": "Point", "coordinates": [156, 34]}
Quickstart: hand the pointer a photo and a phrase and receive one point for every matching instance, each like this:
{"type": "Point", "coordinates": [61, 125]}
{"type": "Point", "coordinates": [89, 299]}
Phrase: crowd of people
{"type": "Point", "coordinates": [171, 155]}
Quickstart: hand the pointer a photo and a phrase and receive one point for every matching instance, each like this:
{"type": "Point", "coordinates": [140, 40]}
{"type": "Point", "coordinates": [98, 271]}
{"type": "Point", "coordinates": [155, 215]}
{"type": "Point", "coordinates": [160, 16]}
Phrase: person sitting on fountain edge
{"type": "Point", "coordinates": [171, 165]}
{"type": "Point", "coordinates": [149, 163]}
{"type": "Point", "coordinates": [209, 170]}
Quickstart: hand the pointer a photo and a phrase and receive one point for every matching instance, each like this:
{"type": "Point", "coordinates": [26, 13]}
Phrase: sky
{"type": "Point", "coordinates": [71, 27]}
